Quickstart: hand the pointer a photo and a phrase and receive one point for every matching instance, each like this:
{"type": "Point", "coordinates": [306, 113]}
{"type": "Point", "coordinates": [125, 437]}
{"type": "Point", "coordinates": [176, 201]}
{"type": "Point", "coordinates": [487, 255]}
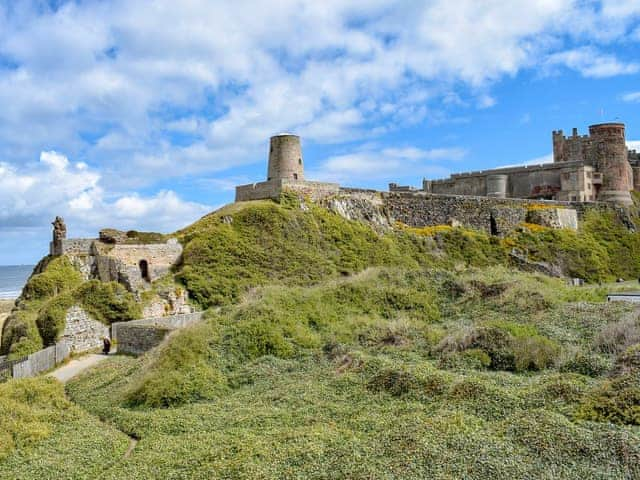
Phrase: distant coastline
{"type": "Point", "coordinates": [12, 279]}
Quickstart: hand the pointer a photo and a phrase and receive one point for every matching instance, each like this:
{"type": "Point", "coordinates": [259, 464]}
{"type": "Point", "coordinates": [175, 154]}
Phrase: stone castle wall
{"type": "Point", "coordinates": [122, 263]}
{"type": "Point", "coordinates": [81, 332]}
{"type": "Point", "coordinates": [274, 188]}
{"type": "Point", "coordinates": [493, 215]}
{"type": "Point", "coordinates": [140, 336]}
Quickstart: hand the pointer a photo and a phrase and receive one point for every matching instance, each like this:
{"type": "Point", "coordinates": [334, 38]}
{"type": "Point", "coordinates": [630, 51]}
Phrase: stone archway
{"type": "Point", "coordinates": [144, 270]}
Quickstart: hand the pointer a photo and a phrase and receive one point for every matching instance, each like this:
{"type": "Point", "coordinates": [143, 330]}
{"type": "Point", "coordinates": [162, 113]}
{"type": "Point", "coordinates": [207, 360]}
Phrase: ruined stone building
{"type": "Point", "coordinates": [285, 172]}
{"type": "Point", "coordinates": [585, 168]}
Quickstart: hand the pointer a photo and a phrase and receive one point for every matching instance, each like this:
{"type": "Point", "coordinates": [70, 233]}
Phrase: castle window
{"type": "Point", "coordinates": [144, 270]}
{"type": "Point", "coordinates": [299, 161]}
{"type": "Point", "coordinates": [295, 176]}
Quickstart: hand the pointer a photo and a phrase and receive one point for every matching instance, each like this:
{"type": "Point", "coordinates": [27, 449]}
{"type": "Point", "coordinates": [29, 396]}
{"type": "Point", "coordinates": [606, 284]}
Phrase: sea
{"type": "Point", "coordinates": [12, 279]}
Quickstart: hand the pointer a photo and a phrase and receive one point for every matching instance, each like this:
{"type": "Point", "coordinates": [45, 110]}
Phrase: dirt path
{"type": "Point", "coordinates": [76, 367]}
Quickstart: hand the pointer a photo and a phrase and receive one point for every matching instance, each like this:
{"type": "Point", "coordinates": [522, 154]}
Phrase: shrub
{"type": "Point", "coordinates": [616, 401]}
{"type": "Point", "coordinates": [29, 407]}
{"type": "Point", "coordinates": [59, 276]}
{"type": "Point", "coordinates": [586, 363]}
{"type": "Point", "coordinates": [521, 350]}
{"type": "Point", "coordinates": [628, 362]}
{"type": "Point", "coordinates": [107, 302]}
{"type": "Point", "coordinates": [534, 353]}
{"type": "Point", "coordinates": [617, 337]}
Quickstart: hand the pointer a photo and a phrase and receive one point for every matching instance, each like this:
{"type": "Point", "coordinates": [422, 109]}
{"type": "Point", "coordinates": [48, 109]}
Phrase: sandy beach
{"type": "Point", "coordinates": [5, 308]}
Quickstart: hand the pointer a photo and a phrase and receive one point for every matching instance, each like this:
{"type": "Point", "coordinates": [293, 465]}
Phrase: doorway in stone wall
{"type": "Point", "coordinates": [144, 270]}
{"type": "Point", "coordinates": [493, 225]}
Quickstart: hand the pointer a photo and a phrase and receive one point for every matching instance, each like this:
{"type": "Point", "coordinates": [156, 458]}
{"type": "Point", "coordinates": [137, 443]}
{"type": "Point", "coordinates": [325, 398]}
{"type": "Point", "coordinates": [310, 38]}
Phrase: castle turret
{"type": "Point", "coordinates": [610, 154]}
{"type": "Point", "coordinates": [285, 158]}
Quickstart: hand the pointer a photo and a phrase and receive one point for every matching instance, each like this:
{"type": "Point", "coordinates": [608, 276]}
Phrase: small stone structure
{"type": "Point", "coordinates": [81, 332]}
{"type": "Point", "coordinates": [117, 257]}
{"type": "Point", "coordinates": [140, 336]}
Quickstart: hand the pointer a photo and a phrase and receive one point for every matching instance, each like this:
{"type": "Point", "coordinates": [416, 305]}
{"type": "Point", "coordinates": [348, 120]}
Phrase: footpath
{"type": "Point", "coordinates": [77, 366]}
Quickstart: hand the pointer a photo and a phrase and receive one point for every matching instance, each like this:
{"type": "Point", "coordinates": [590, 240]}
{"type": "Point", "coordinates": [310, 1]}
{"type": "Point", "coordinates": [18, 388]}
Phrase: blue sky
{"type": "Point", "coordinates": [137, 114]}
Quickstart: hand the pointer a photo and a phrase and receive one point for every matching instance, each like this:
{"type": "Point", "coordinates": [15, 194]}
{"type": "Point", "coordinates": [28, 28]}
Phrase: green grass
{"type": "Point", "coordinates": [346, 379]}
{"type": "Point", "coordinates": [336, 352]}
{"type": "Point", "coordinates": [40, 317]}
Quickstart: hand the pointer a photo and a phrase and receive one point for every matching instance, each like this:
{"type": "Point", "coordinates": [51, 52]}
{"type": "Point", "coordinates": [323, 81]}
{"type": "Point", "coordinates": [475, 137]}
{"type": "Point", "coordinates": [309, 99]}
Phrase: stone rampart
{"type": "Point", "coordinates": [139, 336]}
{"type": "Point", "coordinates": [71, 246]}
{"type": "Point", "coordinates": [496, 216]}
{"type": "Point", "coordinates": [81, 332]}
{"type": "Point", "coordinates": [274, 188]}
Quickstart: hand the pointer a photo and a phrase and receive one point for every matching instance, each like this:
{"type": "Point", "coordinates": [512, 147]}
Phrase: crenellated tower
{"type": "Point", "coordinates": [611, 158]}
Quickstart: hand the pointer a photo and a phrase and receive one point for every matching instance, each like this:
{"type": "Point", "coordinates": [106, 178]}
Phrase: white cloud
{"type": "Point", "coordinates": [387, 163]}
{"type": "Point", "coordinates": [631, 97]}
{"type": "Point", "coordinates": [633, 145]}
{"type": "Point", "coordinates": [136, 74]}
{"type": "Point", "coordinates": [592, 63]}
{"type": "Point", "coordinates": [30, 197]}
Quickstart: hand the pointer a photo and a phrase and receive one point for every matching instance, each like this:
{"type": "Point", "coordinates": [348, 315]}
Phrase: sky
{"type": "Point", "coordinates": [144, 115]}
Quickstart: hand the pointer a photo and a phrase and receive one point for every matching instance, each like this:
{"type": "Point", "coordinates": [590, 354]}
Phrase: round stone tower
{"type": "Point", "coordinates": [497, 185]}
{"type": "Point", "coordinates": [285, 158]}
{"type": "Point", "coordinates": [611, 159]}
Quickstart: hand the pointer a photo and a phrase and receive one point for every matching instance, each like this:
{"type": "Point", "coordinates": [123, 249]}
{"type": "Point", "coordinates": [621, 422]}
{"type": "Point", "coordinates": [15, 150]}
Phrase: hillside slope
{"type": "Point", "coordinates": [337, 352]}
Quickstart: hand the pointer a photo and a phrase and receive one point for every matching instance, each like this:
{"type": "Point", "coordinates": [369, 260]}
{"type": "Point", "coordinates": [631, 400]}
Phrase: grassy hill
{"type": "Point", "coordinates": [335, 352]}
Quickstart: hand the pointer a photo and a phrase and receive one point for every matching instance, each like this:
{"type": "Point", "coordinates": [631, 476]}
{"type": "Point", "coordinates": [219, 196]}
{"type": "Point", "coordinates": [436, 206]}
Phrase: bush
{"type": "Point", "coordinates": [628, 362]}
{"type": "Point", "coordinates": [586, 363]}
{"type": "Point", "coordinates": [509, 346]}
{"type": "Point", "coordinates": [59, 276]}
{"type": "Point", "coordinates": [616, 401]}
{"type": "Point", "coordinates": [29, 407]}
{"type": "Point", "coordinates": [617, 337]}
{"type": "Point", "coordinates": [107, 302]}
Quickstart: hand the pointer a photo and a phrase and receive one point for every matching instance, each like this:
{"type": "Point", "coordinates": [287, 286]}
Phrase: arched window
{"type": "Point", "coordinates": [144, 270]}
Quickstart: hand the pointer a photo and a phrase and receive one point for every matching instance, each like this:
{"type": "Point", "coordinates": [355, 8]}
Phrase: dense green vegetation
{"type": "Point", "coordinates": [336, 352]}
{"type": "Point", "coordinates": [40, 316]}
{"type": "Point", "coordinates": [259, 243]}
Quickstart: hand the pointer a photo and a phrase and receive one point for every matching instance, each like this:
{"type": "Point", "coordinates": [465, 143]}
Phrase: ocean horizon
{"type": "Point", "coordinates": [12, 279]}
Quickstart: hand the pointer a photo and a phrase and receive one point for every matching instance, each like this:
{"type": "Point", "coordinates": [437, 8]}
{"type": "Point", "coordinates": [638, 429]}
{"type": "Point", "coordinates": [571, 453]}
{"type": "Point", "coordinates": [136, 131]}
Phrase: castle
{"type": "Point", "coordinates": [586, 168]}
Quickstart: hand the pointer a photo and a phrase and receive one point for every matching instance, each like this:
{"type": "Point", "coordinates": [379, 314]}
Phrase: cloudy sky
{"type": "Point", "coordinates": [145, 114]}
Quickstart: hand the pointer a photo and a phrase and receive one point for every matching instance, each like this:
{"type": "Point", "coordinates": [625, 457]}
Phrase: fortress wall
{"type": "Point", "coordinates": [420, 210]}
{"type": "Point", "coordinates": [81, 332]}
{"type": "Point", "coordinates": [462, 185]}
{"type": "Point", "coordinates": [71, 246]}
{"type": "Point", "coordinates": [140, 336]}
{"type": "Point", "coordinates": [272, 189]}
{"type": "Point", "coordinates": [258, 191]}
{"type": "Point", "coordinates": [523, 182]}
{"type": "Point", "coordinates": [314, 190]}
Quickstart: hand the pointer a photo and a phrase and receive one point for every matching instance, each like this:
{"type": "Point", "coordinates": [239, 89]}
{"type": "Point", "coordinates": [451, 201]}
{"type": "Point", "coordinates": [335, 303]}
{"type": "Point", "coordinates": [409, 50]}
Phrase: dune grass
{"type": "Point", "coordinates": [351, 379]}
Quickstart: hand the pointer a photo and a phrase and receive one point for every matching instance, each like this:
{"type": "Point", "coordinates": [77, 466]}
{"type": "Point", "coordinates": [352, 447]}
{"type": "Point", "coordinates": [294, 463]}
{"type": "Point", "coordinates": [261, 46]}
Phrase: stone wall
{"type": "Point", "coordinates": [81, 332]}
{"type": "Point", "coordinates": [274, 188]}
{"type": "Point", "coordinates": [493, 215]}
{"type": "Point", "coordinates": [139, 336]}
{"type": "Point", "coordinates": [122, 263]}
{"type": "Point", "coordinates": [71, 246]}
